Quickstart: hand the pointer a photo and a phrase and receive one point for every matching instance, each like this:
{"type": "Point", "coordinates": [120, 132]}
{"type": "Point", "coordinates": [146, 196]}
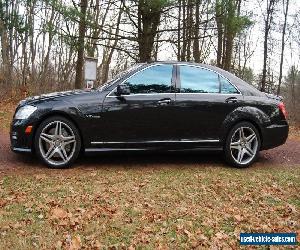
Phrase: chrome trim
{"type": "Point", "coordinates": [112, 149]}
{"type": "Point", "coordinates": [150, 94]}
{"type": "Point", "coordinates": [25, 150]}
{"type": "Point", "coordinates": [145, 94]}
{"type": "Point", "coordinates": [166, 141]}
{"type": "Point", "coordinates": [207, 94]}
{"type": "Point", "coordinates": [95, 150]}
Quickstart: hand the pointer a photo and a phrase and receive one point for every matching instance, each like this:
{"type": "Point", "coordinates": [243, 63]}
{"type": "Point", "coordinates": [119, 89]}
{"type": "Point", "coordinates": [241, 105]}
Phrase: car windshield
{"type": "Point", "coordinates": [120, 75]}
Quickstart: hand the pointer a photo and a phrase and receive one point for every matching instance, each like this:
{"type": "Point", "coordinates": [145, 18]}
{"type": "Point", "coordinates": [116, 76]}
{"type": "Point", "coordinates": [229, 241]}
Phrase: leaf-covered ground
{"type": "Point", "coordinates": [148, 206]}
{"type": "Point", "coordinates": [175, 201]}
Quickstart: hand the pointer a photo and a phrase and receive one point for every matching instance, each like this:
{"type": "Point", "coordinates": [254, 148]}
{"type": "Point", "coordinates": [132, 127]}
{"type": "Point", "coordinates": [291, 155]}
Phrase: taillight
{"type": "Point", "coordinates": [281, 107]}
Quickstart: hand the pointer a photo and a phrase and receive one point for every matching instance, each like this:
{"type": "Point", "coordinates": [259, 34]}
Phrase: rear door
{"type": "Point", "coordinates": [204, 100]}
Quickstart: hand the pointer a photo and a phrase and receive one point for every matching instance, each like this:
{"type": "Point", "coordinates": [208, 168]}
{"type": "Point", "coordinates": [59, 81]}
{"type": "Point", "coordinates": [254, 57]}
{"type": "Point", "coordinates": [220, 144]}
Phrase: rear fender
{"type": "Point", "coordinates": [247, 113]}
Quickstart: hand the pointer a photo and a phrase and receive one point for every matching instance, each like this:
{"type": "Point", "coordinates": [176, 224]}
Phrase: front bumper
{"type": "Point", "coordinates": [275, 135]}
{"type": "Point", "coordinates": [20, 141]}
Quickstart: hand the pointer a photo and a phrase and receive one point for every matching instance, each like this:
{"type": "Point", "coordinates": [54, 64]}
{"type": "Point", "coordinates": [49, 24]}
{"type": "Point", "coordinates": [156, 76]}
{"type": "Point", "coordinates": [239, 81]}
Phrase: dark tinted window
{"type": "Point", "coordinates": [198, 80]}
{"type": "Point", "coordinates": [227, 87]}
{"type": "Point", "coordinates": [156, 79]}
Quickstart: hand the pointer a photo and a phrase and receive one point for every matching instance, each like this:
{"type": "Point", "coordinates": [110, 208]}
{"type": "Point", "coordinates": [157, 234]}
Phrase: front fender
{"type": "Point", "coordinates": [245, 113]}
{"type": "Point", "coordinates": [62, 109]}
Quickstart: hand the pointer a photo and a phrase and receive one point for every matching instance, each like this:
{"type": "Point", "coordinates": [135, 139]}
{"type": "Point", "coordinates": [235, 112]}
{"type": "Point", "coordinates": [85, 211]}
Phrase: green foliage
{"type": "Point", "coordinates": [239, 23]}
{"type": "Point", "coordinates": [228, 13]}
{"type": "Point", "coordinates": [49, 27]}
{"type": "Point", "coordinates": [69, 12]}
{"type": "Point", "coordinates": [12, 20]}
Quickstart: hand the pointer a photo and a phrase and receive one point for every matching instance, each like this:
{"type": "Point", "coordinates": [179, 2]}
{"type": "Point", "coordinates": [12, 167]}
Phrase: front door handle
{"type": "Point", "coordinates": [164, 102]}
{"type": "Point", "coordinates": [231, 100]}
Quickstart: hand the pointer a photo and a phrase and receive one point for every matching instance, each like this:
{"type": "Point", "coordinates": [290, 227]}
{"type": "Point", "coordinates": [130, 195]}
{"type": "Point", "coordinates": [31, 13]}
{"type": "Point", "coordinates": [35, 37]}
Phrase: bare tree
{"type": "Point", "coordinates": [80, 54]}
{"type": "Point", "coordinates": [267, 29]}
{"type": "Point", "coordinates": [285, 11]}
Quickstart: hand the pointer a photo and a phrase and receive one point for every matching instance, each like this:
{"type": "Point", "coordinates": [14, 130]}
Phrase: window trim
{"type": "Point", "coordinates": [173, 81]}
{"type": "Point", "coordinates": [176, 81]}
{"type": "Point", "coordinates": [205, 68]}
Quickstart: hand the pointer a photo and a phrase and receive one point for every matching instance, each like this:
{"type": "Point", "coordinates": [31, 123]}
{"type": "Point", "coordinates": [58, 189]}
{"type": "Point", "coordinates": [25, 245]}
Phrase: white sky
{"type": "Point", "coordinates": [291, 56]}
{"type": "Point", "coordinates": [258, 7]}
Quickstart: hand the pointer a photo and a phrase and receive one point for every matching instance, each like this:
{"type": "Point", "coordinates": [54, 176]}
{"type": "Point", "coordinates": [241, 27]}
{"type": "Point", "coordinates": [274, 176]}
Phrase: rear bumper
{"type": "Point", "coordinates": [275, 135]}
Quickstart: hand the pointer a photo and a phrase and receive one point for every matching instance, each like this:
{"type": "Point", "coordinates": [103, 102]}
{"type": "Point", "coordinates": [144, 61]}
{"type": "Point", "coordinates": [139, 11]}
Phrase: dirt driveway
{"type": "Point", "coordinates": [285, 155]}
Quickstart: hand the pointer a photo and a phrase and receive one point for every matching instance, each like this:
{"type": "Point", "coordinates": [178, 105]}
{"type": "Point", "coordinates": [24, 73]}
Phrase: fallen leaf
{"type": "Point", "coordinates": [238, 218]}
{"type": "Point", "coordinates": [58, 245]}
{"type": "Point", "coordinates": [59, 213]}
{"type": "Point", "coordinates": [188, 233]}
{"type": "Point", "coordinates": [75, 243]}
{"type": "Point", "coordinates": [40, 216]}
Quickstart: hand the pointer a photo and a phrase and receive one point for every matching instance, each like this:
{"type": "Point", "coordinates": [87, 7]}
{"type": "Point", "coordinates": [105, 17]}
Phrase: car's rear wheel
{"type": "Point", "coordinates": [242, 145]}
{"type": "Point", "coordinates": [57, 142]}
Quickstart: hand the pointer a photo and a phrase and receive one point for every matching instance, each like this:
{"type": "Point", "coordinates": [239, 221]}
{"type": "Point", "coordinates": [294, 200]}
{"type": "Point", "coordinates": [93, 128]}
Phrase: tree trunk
{"type": "Point", "coordinates": [219, 13]}
{"type": "Point", "coordinates": [111, 52]}
{"type": "Point", "coordinates": [5, 52]}
{"type": "Point", "coordinates": [183, 51]}
{"type": "Point", "coordinates": [80, 54]}
{"type": "Point", "coordinates": [189, 29]}
{"type": "Point", "coordinates": [32, 42]}
{"type": "Point", "coordinates": [148, 21]}
{"type": "Point", "coordinates": [264, 72]}
{"type": "Point", "coordinates": [268, 20]}
{"type": "Point", "coordinates": [282, 46]}
{"type": "Point", "coordinates": [196, 48]}
{"type": "Point", "coordinates": [5, 44]}
{"type": "Point", "coordinates": [179, 30]}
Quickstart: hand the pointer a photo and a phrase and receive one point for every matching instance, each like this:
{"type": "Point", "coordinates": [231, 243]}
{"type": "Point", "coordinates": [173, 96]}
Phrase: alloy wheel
{"type": "Point", "coordinates": [243, 145]}
{"type": "Point", "coordinates": [57, 143]}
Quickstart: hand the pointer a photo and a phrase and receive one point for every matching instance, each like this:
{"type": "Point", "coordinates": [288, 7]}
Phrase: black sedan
{"type": "Point", "coordinates": [156, 106]}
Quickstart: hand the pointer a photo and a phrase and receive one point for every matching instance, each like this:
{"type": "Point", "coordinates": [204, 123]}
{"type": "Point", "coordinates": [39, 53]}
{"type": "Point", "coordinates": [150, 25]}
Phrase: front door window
{"type": "Point", "coordinates": [155, 79]}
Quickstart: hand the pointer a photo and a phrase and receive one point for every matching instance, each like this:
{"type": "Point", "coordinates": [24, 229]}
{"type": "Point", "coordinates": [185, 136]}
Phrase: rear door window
{"type": "Point", "coordinates": [198, 80]}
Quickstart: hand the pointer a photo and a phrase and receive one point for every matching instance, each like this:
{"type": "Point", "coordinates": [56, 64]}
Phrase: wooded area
{"type": "Point", "coordinates": [43, 43]}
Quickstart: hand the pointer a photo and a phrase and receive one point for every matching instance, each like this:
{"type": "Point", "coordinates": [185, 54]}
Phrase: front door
{"type": "Point", "coordinates": [147, 113]}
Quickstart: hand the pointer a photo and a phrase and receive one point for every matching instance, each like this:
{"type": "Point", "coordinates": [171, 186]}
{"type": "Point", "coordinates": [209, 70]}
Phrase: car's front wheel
{"type": "Point", "coordinates": [57, 142]}
{"type": "Point", "coordinates": [242, 145]}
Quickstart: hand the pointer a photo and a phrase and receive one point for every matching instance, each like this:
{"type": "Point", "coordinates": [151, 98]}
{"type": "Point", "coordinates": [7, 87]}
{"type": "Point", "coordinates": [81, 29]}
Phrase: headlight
{"type": "Point", "coordinates": [24, 112]}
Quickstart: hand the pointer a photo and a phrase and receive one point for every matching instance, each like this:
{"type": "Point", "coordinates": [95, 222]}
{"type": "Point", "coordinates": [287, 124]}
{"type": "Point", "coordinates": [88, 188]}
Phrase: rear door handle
{"type": "Point", "coordinates": [164, 102]}
{"type": "Point", "coordinates": [231, 100]}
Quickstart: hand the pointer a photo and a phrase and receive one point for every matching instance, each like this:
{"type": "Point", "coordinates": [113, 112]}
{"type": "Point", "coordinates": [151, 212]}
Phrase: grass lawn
{"type": "Point", "coordinates": [146, 207]}
{"type": "Point", "coordinates": [177, 205]}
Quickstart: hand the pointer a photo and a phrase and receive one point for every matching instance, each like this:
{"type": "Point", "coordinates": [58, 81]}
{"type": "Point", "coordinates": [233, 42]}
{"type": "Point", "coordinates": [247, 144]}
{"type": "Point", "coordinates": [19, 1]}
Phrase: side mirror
{"type": "Point", "coordinates": [123, 89]}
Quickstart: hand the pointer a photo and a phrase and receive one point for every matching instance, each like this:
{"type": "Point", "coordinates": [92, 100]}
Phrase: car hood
{"type": "Point", "coordinates": [54, 95]}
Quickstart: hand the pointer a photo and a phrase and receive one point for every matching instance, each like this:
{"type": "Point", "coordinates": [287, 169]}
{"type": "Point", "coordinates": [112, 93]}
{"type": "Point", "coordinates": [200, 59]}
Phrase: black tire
{"type": "Point", "coordinates": [67, 141]}
{"type": "Point", "coordinates": [234, 147]}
